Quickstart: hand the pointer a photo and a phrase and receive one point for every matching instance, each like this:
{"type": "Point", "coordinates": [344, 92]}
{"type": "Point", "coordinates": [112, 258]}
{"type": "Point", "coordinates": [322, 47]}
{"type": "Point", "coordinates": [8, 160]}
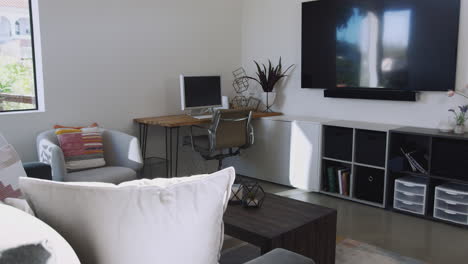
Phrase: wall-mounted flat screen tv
{"type": "Point", "coordinates": [408, 45]}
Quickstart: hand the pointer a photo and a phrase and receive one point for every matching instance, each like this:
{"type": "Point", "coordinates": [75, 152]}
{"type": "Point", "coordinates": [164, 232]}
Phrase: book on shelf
{"type": "Point", "coordinates": [331, 179]}
{"type": "Point", "coordinates": [342, 180]}
{"type": "Point", "coordinates": [346, 179]}
{"type": "Point", "coordinates": [338, 180]}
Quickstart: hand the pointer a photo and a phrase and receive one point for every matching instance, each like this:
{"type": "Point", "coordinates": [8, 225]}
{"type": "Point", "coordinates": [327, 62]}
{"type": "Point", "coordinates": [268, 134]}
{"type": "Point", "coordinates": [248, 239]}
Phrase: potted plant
{"type": "Point", "coordinates": [460, 118]}
{"type": "Point", "coordinates": [268, 77]}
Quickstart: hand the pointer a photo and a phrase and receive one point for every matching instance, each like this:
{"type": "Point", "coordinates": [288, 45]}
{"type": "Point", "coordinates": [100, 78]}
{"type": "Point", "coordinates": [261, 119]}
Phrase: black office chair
{"type": "Point", "coordinates": [229, 133]}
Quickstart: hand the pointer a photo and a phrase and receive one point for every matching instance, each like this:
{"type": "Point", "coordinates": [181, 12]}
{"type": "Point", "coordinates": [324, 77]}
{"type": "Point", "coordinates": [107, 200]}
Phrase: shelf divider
{"type": "Point", "coordinates": [337, 160]}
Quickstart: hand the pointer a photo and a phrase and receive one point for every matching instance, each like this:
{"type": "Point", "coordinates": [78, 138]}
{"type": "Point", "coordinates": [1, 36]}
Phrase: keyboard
{"type": "Point", "coordinates": [203, 117]}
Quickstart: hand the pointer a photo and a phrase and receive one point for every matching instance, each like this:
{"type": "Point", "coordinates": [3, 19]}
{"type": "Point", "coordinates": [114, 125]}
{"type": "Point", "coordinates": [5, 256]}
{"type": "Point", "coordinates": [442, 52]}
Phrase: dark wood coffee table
{"type": "Point", "coordinates": [304, 228]}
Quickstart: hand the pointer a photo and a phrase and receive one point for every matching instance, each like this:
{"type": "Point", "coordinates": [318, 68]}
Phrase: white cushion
{"type": "Point", "coordinates": [19, 229]}
{"type": "Point", "coordinates": [166, 221]}
{"type": "Point", "coordinates": [20, 204]}
{"type": "Point", "coordinates": [109, 174]}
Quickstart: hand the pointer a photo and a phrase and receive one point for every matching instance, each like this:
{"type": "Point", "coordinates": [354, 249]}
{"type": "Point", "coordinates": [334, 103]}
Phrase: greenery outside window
{"type": "Point", "coordinates": [18, 57]}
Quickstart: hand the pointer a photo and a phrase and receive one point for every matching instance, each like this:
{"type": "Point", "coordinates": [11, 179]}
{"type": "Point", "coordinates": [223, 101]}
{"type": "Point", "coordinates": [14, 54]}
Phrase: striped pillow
{"type": "Point", "coordinates": [82, 147]}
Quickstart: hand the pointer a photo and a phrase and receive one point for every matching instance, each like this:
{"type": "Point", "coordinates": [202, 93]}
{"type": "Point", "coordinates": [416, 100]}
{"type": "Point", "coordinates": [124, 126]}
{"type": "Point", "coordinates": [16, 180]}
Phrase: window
{"type": "Point", "coordinates": [18, 63]}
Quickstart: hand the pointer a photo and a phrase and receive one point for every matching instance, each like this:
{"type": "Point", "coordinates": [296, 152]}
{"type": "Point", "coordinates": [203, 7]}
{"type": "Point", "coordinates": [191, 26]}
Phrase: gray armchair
{"type": "Point", "coordinates": [121, 152]}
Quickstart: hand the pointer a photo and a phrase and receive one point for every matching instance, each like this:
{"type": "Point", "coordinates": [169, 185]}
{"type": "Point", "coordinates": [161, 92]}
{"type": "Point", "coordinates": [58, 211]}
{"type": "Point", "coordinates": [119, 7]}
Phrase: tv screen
{"type": "Point", "coordinates": [389, 44]}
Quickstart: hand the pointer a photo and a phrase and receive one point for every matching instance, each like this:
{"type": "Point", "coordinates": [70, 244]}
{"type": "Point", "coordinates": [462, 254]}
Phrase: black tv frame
{"type": "Point", "coordinates": [331, 91]}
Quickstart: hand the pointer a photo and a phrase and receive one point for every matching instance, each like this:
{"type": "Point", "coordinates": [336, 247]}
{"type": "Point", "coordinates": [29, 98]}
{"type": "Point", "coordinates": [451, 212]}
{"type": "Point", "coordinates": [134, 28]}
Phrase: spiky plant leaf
{"type": "Point", "coordinates": [269, 76]}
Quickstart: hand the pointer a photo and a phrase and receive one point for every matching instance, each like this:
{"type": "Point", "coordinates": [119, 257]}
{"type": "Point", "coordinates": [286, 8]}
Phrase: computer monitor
{"type": "Point", "coordinates": [200, 92]}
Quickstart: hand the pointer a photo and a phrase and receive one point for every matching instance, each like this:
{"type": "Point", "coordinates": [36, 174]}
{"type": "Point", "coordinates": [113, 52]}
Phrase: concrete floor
{"type": "Point", "coordinates": [425, 240]}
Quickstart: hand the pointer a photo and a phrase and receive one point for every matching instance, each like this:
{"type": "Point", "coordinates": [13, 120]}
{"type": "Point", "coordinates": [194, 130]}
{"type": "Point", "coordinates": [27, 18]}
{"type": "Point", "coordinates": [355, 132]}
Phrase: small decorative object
{"type": "Point", "coordinates": [239, 102]}
{"type": "Point", "coordinates": [268, 78]}
{"type": "Point", "coordinates": [254, 195]}
{"type": "Point", "coordinates": [241, 85]}
{"type": "Point", "coordinates": [459, 129]}
{"type": "Point", "coordinates": [237, 191]}
{"type": "Point", "coordinates": [253, 103]}
{"type": "Point", "coordinates": [460, 118]}
{"type": "Point", "coordinates": [415, 165]}
{"type": "Point", "coordinates": [452, 93]}
{"type": "Point", "coordinates": [446, 125]}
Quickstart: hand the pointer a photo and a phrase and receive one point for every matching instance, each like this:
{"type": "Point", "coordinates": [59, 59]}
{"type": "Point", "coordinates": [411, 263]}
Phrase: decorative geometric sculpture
{"type": "Point", "coordinates": [239, 102]}
{"type": "Point", "coordinates": [241, 83]}
{"type": "Point", "coordinates": [253, 195]}
{"type": "Point", "coordinates": [236, 193]}
{"type": "Point", "coordinates": [253, 103]}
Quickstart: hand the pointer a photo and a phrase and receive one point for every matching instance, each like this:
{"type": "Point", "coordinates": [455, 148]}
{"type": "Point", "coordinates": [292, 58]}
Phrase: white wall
{"type": "Point", "coordinates": [110, 61]}
{"type": "Point", "coordinates": [272, 28]}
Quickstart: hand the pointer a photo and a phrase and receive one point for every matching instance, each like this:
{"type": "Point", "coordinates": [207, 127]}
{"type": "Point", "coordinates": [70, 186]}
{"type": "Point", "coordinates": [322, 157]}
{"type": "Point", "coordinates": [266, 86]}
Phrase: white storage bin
{"type": "Point", "coordinates": [452, 192]}
{"type": "Point", "coordinates": [451, 216]}
{"type": "Point", "coordinates": [451, 206]}
{"type": "Point", "coordinates": [409, 207]}
{"type": "Point", "coordinates": [409, 197]}
{"type": "Point", "coordinates": [412, 185]}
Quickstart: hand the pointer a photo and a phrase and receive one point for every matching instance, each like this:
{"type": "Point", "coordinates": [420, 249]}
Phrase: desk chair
{"type": "Point", "coordinates": [230, 131]}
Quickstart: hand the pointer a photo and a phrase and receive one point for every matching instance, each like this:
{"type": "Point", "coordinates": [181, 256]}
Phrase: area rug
{"type": "Point", "coordinates": [354, 252]}
{"type": "Point", "coordinates": [347, 252]}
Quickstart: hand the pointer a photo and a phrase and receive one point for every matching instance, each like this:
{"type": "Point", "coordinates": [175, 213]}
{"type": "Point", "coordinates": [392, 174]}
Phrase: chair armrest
{"type": "Point", "coordinates": [38, 170]}
{"type": "Point", "coordinates": [192, 139]}
{"type": "Point", "coordinates": [50, 153]}
{"type": "Point", "coordinates": [251, 135]}
{"type": "Point", "coordinates": [122, 150]}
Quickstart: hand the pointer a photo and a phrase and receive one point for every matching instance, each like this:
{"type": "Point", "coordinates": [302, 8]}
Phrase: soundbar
{"type": "Point", "coordinates": [372, 94]}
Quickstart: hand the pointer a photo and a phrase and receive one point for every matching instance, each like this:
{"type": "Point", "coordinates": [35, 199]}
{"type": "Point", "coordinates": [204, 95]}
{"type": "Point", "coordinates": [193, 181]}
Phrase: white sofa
{"type": "Point", "coordinates": [167, 221]}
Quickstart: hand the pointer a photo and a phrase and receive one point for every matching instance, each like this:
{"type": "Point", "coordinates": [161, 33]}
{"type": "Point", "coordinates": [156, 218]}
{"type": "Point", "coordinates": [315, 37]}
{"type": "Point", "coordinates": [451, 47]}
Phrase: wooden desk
{"type": "Point", "coordinates": [174, 122]}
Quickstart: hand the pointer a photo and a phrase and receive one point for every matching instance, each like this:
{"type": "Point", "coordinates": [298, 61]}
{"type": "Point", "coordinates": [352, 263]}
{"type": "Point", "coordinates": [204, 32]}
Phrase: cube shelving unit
{"type": "Point", "coordinates": [445, 159]}
{"type": "Point", "coordinates": [363, 148]}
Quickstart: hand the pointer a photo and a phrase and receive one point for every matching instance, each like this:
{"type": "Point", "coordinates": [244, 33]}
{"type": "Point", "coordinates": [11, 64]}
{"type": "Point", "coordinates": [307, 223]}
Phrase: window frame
{"type": "Point", "coordinates": [36, 61]}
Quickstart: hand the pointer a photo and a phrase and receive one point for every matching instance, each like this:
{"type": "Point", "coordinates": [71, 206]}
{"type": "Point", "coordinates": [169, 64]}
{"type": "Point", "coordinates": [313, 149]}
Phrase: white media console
{"type": "Point", "coordinates": [296, 151]}
{"type": "Point", "coordinates": [287, 151]}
